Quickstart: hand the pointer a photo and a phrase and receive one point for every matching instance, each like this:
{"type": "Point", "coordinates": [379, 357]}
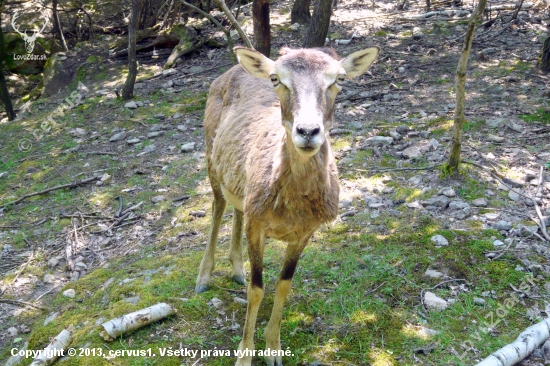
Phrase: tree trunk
{"type": "Point", "coordinates": [544, 62]}
{"type": "Point", "coordinates": [318, 28]}
{"type": "Point", "coordinates": [128, 90]}
{"type": "Point", "coordinates": [260, 18]}
{"type": "Point", "coordinates": [454, 158]}
{"type": "Point", "coordinates": [57, 26]}
{"type": "Point", "coordinates": [4, 94]}
{"type": "Point", "coordinates": [148, 13]}
{"type": "Point", "coordinates": [300, 12]}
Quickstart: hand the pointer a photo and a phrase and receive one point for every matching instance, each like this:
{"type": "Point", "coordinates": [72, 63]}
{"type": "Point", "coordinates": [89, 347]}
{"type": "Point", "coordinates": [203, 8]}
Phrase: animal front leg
{"type": "Point", "coordinates": [236, 249]}
{"type": "Point", "coordinates": [255, 291]}
{"type": "Point", "coordinates": [282, 288]}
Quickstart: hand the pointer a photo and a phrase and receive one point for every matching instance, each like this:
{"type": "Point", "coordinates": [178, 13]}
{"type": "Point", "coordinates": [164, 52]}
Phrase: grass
{"type": "Point", "coordinates": [542, 115]}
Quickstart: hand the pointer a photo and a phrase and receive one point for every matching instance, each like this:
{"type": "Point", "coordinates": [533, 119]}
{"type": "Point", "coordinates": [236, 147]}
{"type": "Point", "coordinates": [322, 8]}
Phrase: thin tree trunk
{"type": "Point", "coordinates": [128, 90]}
{"type": "Point", "coordinates": [57, 26]}
{"type": "Point", "coordinates": [260, 18]}
{"type": "Point", "coordinates": [544, 62]}
{"type": "Point", "coordinates": [454, 158]}
{"type": "Point", "coordinates": [318, 28]}
{"type": "Point", "coordinates": [4, 94]}
{"type": "Point", "coordinates": [300, 12]}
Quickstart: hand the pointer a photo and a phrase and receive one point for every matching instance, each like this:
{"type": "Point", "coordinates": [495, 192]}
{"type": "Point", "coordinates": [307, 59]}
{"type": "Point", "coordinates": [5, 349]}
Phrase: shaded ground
{"type": "Point", "coordinates": [358, 294]}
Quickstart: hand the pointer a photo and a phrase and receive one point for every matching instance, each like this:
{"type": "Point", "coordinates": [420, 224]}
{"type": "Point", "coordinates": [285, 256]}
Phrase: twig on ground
{"type": "Point", "coordinates": [70, 185]}
{"type": "Point", "coordinates": [47, 292]}
{"type": "Point", "coordinates": [382, 170]}
{"type": "Point", "coordinates": [119, 211]}
{"type": "Point", "coordinates": [18, 302]}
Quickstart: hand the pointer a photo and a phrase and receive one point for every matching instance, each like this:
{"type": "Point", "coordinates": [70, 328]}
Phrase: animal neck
{"type": "Point", "coordinates": [306, 167]}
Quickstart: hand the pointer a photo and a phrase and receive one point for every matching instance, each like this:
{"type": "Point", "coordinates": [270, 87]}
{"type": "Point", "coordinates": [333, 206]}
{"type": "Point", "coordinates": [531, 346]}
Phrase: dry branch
{"type": "Point", "coordinates": [22, 303]}
{"type": "Point", "coordinates": [234, 22]}
{"type": "Point", "coordinates": [130, 322]}
{"type": "Point", "coordinates": [54, 349]}
{"type": "Point", "coordinates": [70, 185]}
{"type": "Point", "coordinates": [523, 346]}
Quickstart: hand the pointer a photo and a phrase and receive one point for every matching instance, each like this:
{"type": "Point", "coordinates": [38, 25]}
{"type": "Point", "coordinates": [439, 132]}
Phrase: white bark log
{"type": "Point", "coordinates": [528, 340]}
{"type": "Point", "coordinates": [14, 360]}
{"type": "Point", "coordinates": [130, 322]}
{"type": "Point", "coordinates": [54, 350]}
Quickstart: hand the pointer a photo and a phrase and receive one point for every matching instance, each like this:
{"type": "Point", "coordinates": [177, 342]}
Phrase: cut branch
{"type": "Point", "coordinates": [234, 22]}
{"type": "Point", "coordinates": [54, 349]}
{"type": "Point", "coordinates": [528, 340]}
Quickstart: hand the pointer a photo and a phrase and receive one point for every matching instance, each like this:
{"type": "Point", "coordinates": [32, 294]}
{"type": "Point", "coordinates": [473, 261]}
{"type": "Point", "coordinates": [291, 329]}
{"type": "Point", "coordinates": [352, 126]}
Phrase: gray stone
{"type": "Point", "coordinates": [56, 76]}
{"type": "Point", "coordinates": [182, 128]}
{"type": "Point", "coordinates": [118, 136]}
{"type": "Point", "coordinates": [480, 202]}
{"type": "Point", "coordinates": [396, 136]}
{"type": "Point", "coordinates": [239, 300]}
{"type": "Point", "coordinates": [71, 293]}
{"type": "Point", "coordinates": [439, 241]}
{"type": "Point", "coordinates": [433, 302]}
{"type": "Point", "coordinates": [155, 134]}
{"type": "Point", "coordinates": [503, 225]}
{"type": "Point", "coordinates": [78, 132]}
{"type": "Point", "coordinates": [159, 115]}
{"type": "Point", "coordinates": [459, 209]}
{"type": "Point", "coordinates": [415, 180]}
{"type": "Point", "coordinates": [215, 302]}
{"type": "Point", "coordinates": [131, 105]}
{"type": "Point", "coordinates": [51, 318]}
{"type": "Point", "coordinates": [4, 174]}
{"type": "Point", "coordinates": [494, 138]}
{"type": "Point", "coordinates": [412, 152]}
{"type": "Point", "coordinates": [479, 301]}
{"type": "Point", "coordinates": [188, 147]}
{"type": "Point", "coordinates": [432, 273]}
{"type": "Point", "coordinates": [513, 196]}
{"type": "Point", "coordinates": [448, 191]}
{"type": "Point", "coordinates": [133, 141]}
{"type": "Point", "coordinates": [438, 201]}
{"type": "Point", "coordinates": [148, 149]}
{"type": "Point", "coordinates": [379, 141]}
{"type": "Point", "coordinates": [495, 122]}
{"type": "Point", "coordinates": [402, 130]}
{"type": "Point", "coordinates": [498, 243]}
{"type": "Point", "coordinates": [158, 199]}
{"type": "Point", "coordinates": [49, 278]}
{"type": "Point", "coordinates": [177, 115]}
{"type": "Point", "coordinates": [53, 262]}
{"type": "Point", "coordinates": [169, 72]}
{"type": "Point", "coordinates": [132, 300]}
{"type": "Point", "coordinates": [13, 332]}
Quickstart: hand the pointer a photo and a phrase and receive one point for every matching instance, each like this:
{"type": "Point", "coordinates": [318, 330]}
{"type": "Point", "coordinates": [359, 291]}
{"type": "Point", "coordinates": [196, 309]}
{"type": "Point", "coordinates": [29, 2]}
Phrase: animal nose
{"type": "Point", "coordinates": [308, 132]}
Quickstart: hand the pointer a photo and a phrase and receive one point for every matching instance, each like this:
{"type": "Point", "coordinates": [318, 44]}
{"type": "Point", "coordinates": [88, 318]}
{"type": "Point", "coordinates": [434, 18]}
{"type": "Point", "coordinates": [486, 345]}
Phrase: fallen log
{"type": "Point", "coordinates": [54, 350]}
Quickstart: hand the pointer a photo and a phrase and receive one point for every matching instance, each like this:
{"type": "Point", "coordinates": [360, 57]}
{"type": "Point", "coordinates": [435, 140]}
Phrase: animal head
{"type": "Point", "coordinates": [307, 82]}
{"type": "Point", "coordinates": [29, 40]}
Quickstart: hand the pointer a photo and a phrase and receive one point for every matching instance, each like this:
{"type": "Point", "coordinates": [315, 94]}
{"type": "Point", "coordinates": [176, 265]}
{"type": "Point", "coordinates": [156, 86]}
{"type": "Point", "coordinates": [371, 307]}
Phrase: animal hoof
{"type": "Point", "coordinates": [273, 361]}
{"type": "Point", "coordinates": [201, 288]}
{"type": "Point", "coordinates": [240, 280]}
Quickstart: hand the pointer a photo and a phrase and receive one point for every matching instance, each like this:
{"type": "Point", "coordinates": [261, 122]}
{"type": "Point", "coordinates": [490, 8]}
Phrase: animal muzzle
{"type": "Point", "coordinates": [308, 137]}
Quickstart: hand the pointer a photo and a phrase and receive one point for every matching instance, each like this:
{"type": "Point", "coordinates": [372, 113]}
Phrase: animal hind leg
{"type": "Point", "coordinates": [208, 260]}
{"type": "Point", "coordinates": [255, 292]}
{"type": "Point", "coordinates": [236, 249]}
{"type": "Point", "coordinates": [282, 288]}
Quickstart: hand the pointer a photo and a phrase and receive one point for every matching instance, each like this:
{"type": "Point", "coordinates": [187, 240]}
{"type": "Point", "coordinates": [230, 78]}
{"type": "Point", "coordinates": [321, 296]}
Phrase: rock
{"type": "Point", "coordinates": [513, 196]}
{"type": "Point", "coordinates": [148, 149]}
{"type": "Point", "coordinates": [199, 213]}
{"type": "Point", "coordinates": [4, 174]}
{"type": "Point", "coordinates": [439, 241]}
{"type": "Point", "coordinates": [378, 141]}
{"type": "Point", "coordinates": [503, 225]}
{"type": "Point", "coordinates": [295, 26]}
{"type": "Point", "coordinates": [158, 199]}
{"type": "Point", "coordinates": [118, 136]}
{"type": "Point", "coordinates": [433, 302]}
{"type": "Point", "coordinates": [155, 134]}
{"type": "Point", "coordinates": [56, 76]}
{"type": "Point", "coordinates": [415, 180]}
{"type": "Point", "coordinates": [411, 152]}
{"type": "Point", "coordinates": [215, 302]}
{"type": "Point", "coordinates": [177, 115]}
{"type": "Point", "coordinates": [479, 301]}
{"type": "Point", "coordinates": [132, 300]}
{"type": "Point", "coordinates": [459, 209]}
{"type": "Point", "coordinates": [402, 130]}
{"type": "Point", "coordinates": [448, 191]}
{"type": "Point", "coordinates": [13, 332]}
{"type": "Point", "coordinates": [239, 300]}
{"type": "Point", "coordinates": [494, 138]}
{"type": "Point", "coordinates": [396, 136]}
{"type": "Point", "coordinates": [71, 293]}
{"type": "Point", "coordinates": [133, 141]}
{"type": "Point", "coordinates": [188, 147]}
{"type": "Point", "coordinates": [514, 126]}
{"type": "Point", "coordinates": [78, 132]}
{"type": "Point", "coordinates": [168, 84]}
{"type": "Point", "coordinates": [24, 329]}
{"type": "Point", "coordinates": [169, 72]}
{"type": "Point", "coordinates": [80, 266]}
{"type": "Point", "coordinates": [480, 202]}
{"type": "Point", "coordinates": [131, 105]}
{"type": "Point", "coordinates": [159, 115]}
{"type": "Point", "coordinates": [432, 273]}
{"type": "Point", "coordinates": [182, 128]}
{"type": "Point", "coordinates": [498, 243]}
{"type": "Point", "coordinates": [49, 278]}
{"type": "Point", "coordinates": [51, 318]}
{"type": "Point", "coordinates": [495, 122]}
{"type": "Point", "coordinates": [53, 262]}
{"type": "Point", "coordinates": [438, 201]}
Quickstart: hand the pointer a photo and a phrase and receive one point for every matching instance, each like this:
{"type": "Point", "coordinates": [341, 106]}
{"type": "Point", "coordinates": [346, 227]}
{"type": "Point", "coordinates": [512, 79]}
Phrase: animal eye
{"type": "Point", "coordinates": [274, 80]}
{"type": "Point", "coordinates": [340, 79]}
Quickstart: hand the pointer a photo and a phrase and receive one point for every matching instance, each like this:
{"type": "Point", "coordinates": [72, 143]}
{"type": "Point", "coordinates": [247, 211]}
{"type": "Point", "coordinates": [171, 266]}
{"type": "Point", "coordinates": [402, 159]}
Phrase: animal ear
{"type": "Point", "coordinates": [358, 62]}
{"type": "Point", "coordinates": [254, 62]}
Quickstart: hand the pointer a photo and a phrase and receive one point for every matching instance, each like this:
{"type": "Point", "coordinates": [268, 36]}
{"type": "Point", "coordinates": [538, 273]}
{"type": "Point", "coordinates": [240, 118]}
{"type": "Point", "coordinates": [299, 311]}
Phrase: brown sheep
{"type": "Point", "coordinates": [268, 154]}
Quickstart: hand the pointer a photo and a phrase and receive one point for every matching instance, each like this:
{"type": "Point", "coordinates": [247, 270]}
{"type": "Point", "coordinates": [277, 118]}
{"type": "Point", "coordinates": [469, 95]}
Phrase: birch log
{"type": "Point", "coordinates": [54, 350]}
{"type": "Point", "coordinates": [528, 340]}
{"type": "Point", "coordinates": [130, 322]}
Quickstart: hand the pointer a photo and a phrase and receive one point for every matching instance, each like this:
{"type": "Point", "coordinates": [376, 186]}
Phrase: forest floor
{"type": "Point", "coordinates": [359, 293]}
